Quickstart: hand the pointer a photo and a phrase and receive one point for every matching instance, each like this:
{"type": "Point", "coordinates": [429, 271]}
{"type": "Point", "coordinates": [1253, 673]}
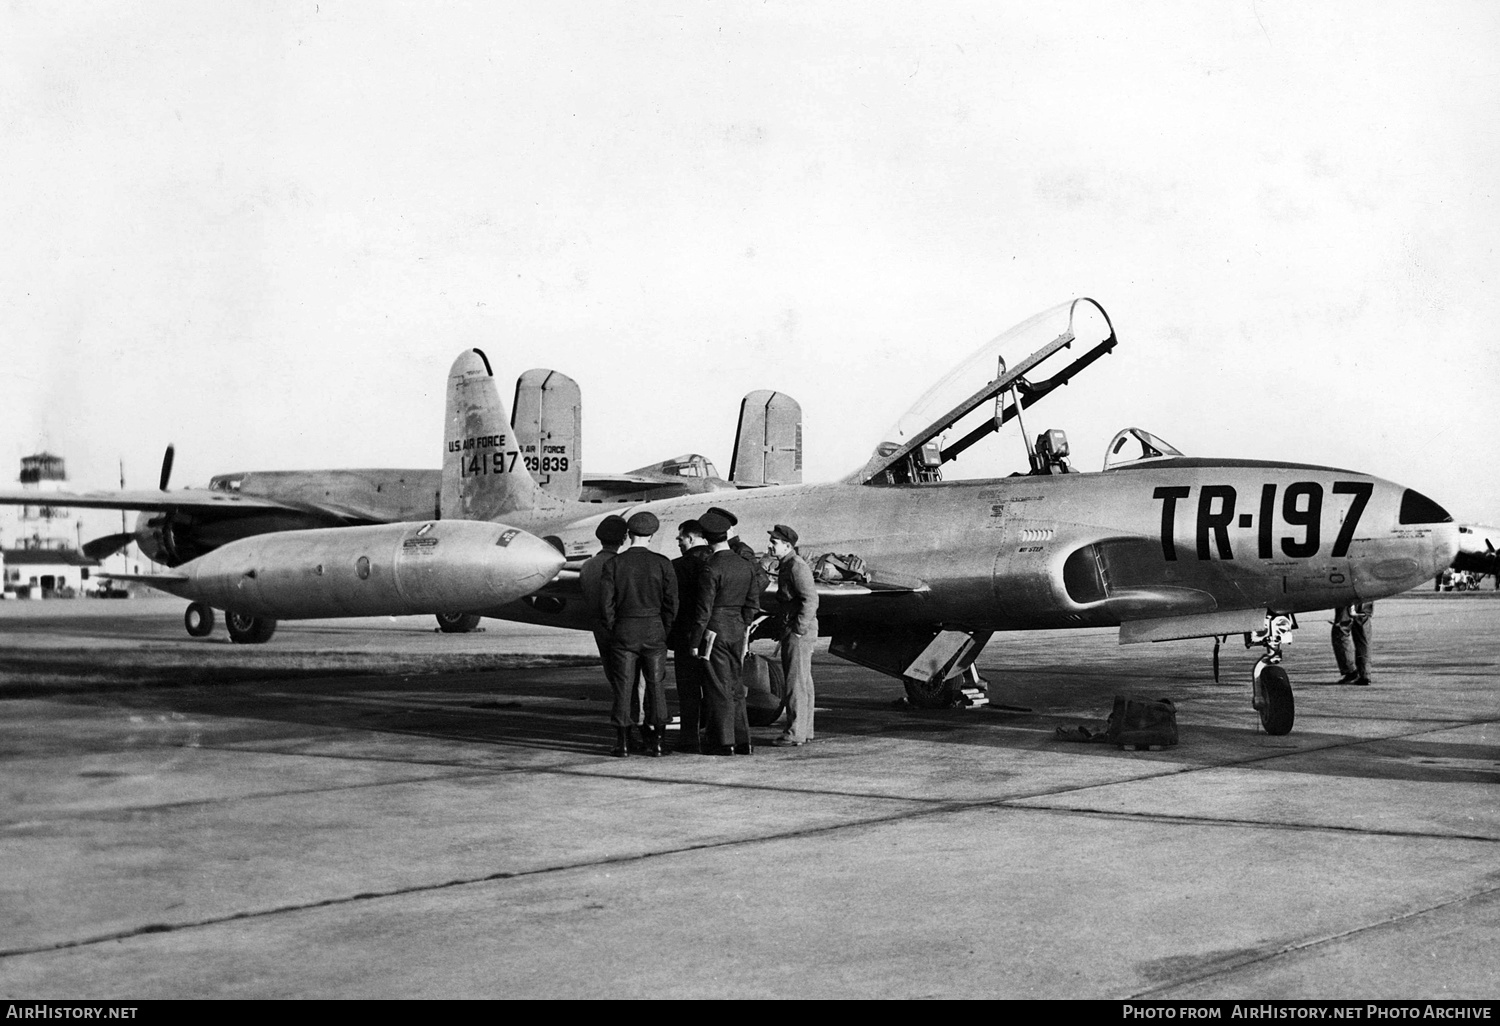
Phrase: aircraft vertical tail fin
{"type": "Point", "coordinates": [548, 420]}
{"type": "Point", "coordinates": [484, 477]}
{"type": "Point", "coordinates": [768, 442]}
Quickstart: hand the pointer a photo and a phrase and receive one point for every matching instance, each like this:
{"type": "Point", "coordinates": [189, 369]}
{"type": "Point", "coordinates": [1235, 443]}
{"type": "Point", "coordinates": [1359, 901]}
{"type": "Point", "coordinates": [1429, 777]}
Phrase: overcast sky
{"type": "Point", "coordinates": [264, 231]}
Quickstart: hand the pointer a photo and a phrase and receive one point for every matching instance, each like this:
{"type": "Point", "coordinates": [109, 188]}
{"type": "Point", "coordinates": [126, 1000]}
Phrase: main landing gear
{"type": "Point", "coordinates": [1270, 688]}
{"type": "Point", "coordinates": [457, 623]}
{"type": "Point", "coordinates": [249, 630]}
{"type": "Point", "coordinates": [199, 620]}
{"type": "Point", "coordinates": [243, 628]}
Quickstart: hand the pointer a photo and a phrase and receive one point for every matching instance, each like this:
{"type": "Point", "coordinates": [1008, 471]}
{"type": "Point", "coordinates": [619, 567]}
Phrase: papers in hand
{"type": "Point", "coordinates": [706, 646]}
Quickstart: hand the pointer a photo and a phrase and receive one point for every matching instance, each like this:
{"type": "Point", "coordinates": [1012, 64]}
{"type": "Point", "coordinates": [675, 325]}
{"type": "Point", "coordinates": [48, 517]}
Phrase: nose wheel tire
{"type": "Point", "coordinates": [199, 620]}
{"type": "Point", "coordinates": [1277, 709]}
{"type": "Point", "coordinates": [249, 630]}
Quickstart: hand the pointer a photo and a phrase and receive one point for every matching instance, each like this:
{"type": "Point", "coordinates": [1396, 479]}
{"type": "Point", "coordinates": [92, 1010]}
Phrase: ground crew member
{"type": "Point", "coordinates": [692, 678]}
{"type": "Point", "coordinates": [727, 604]}
{"type": "Point", "coordinates": [638, 603]}
{"type": "Point", "coordinates": [1352, 633]}
{"type": "Point", "coordinates": [799, 633]}
{"type": "Point", "coordinates": [611, 533]}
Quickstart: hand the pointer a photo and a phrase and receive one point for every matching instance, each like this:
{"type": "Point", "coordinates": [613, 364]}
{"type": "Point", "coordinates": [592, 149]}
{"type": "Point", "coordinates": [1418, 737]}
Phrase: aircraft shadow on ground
{"type": "Point", "coordinates": [567, 710]}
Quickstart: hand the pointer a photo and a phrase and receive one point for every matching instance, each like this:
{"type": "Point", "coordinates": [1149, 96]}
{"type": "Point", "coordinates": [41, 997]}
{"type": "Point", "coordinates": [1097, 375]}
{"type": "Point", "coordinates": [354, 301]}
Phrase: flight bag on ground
{"type": "Point", "coordinates": [1135, 722]}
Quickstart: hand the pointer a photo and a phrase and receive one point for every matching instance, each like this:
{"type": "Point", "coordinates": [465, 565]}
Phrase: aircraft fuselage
{"type": "Point", "coordinates": [1170, 538]}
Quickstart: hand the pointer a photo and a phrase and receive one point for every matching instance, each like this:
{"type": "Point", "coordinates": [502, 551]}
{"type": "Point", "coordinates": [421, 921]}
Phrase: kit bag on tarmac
{"type": "Point", "coordinates": [1134, 723]}
{"type": "Point", "coordinates": [1142, 722]}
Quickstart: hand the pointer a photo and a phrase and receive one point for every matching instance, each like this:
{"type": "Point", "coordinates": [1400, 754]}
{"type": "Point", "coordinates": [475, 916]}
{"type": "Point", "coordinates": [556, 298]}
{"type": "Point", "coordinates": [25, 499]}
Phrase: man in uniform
{"type": "Point", "coordinates": [638, 602]}
{"type": "Point", "coordinates": [611, 533]}
{"type": "Point", "coordinates": [692, 678]}
{"type": "Point", "coordinates": [727, 604]}
{"type": "Point", "coordinates": [799, 633]}
{"type": "Point", "coordinates": [1352, 632]}
{"type": "Point", "coordinates": [737, 544]}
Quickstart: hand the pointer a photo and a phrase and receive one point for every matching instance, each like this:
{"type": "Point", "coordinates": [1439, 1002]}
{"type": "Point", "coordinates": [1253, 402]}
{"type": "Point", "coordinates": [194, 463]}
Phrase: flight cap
{"type": "Point", "coordinates": [714, 523]}
{"type": "Point", "coordinates": [643, 524]}
{"type": "Point", "coordinates": [728, 516]}
{"type": "Point", "coordinates": [783, 532]}
{"type": "Point", "coordinates": [611, 530]}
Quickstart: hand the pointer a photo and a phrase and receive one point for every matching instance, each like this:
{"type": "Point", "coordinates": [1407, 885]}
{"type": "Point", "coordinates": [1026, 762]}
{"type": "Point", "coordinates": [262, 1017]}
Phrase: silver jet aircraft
{"type": "Point", "coordinates": [1160, 544]}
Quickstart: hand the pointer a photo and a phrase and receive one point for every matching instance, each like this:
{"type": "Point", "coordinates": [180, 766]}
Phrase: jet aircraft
{"type": "Point", "coordinates": [1160, 544]}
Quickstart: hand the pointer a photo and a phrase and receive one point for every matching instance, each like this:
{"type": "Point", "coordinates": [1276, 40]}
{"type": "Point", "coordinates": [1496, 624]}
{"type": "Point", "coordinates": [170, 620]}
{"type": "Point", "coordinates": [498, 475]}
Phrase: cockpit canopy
{"type": "Point", "coordinates": [988, 389]}
{"type": "Point", "coordinates": [1133, 445]}
{"type": "Point", "coordinates": [689, 465]}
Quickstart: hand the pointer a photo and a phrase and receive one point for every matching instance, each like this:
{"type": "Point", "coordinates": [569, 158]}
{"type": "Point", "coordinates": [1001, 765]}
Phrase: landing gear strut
{"type": "Point", "coordinates": [1270, 688]}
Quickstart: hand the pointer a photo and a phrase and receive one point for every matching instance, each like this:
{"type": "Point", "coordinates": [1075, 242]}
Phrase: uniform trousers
{"type": "Point", "coordinates": [1353, 631]}
{"type": "Point", "coordinates": [728, 722]}
{"type": "Point", "coordinates": [692, 681]}
{"type": "Point", "coordinates": [796, 661]}
{"type": "Point", "coordinates": [639, 647]}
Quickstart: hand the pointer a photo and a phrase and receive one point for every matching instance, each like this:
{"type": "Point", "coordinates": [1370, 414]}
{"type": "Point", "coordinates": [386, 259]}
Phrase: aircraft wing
{"type": "Point", "coordinates": [166, 578]}
{"type": "Point", "coordinates": [632, 481]}
{"type": "Point", "coordinates": [192, 499]}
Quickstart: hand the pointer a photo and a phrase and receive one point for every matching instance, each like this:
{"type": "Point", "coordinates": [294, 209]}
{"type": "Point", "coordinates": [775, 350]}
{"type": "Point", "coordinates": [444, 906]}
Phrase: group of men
{"type": "Point", "coordinates": [702, 605]}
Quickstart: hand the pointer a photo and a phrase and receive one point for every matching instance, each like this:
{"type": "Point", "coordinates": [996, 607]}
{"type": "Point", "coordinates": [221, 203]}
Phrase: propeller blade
{"type": "Point", "coordinates": [166, 466]}
{"type": "Point", "coordinates": [102, 548]}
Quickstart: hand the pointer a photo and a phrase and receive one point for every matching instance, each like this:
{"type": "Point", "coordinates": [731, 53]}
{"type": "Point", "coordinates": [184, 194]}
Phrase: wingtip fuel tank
{"type": "Point", "coordinates": [384, 570]}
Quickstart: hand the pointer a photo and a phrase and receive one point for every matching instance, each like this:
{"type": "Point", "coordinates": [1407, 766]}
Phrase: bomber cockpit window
{"type": "Point", "coordinates": [1134, 445]}
{"type": "Point", "coordinates": [1417, 508]}
{"type": "Point", "coordinates": [226, 483]}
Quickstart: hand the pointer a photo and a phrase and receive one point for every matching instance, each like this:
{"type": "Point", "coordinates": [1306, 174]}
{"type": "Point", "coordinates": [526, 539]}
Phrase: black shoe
{"type": "Point", "coordinates": [719, 750]}
{"type": "Point", "coordinates": [786, 742]}
{"type": "Point", "coordinates": [622, 745]}
{"type": "Point", "coordinates": [1363, 682]}
{"type": "Point", "coordinates": [658, 746]}
{"type": "Point", "coordinates": [1350, 678]}
{"type": "Point", "coordinates": [744, 749]}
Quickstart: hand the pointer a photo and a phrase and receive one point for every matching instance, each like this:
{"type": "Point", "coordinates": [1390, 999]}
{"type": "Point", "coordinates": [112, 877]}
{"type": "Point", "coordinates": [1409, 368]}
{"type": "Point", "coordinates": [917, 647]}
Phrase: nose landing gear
{"type": "Point", "coordinates": [1270, 688]}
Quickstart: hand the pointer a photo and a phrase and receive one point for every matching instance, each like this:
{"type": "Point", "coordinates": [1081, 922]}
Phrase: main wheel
{"type": "Point", "coordinates": [457, 623]}
{"type": "Point", "coordinates": [765, 691]}
{"type": "Point", "coordinates": [199, 620]}
{"type": "Point", "coordinates": [249, 630]}
{"type": "Point", "coordinates": [1279, 710]}
{"type": "Point", "coordinates": [927, 694]}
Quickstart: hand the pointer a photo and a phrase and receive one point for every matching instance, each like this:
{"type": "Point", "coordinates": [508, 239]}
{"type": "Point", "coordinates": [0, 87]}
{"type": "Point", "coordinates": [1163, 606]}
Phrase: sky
{"type": "Point", "coordinates": [263, 232]}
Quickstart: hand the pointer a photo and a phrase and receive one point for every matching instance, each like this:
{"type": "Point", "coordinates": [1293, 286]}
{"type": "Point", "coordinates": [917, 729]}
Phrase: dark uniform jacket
{"type": "Point", "coordinates": [727, 598]}
{"type": "Point", "coordinates": [688, 567]}
{"type": "Point", "coordinates": [589, 577]}
{"type": "Point", "coordinates": [638, 584]}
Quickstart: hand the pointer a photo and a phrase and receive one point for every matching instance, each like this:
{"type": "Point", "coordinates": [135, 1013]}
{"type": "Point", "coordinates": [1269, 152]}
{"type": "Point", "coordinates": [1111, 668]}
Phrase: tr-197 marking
{"type": "Point", "coordinates": [1301, 507]}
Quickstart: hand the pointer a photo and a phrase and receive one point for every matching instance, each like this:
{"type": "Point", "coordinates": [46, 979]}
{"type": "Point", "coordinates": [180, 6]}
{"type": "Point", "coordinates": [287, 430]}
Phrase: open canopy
{"type": "Point", "coordinates": [998, 373]}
